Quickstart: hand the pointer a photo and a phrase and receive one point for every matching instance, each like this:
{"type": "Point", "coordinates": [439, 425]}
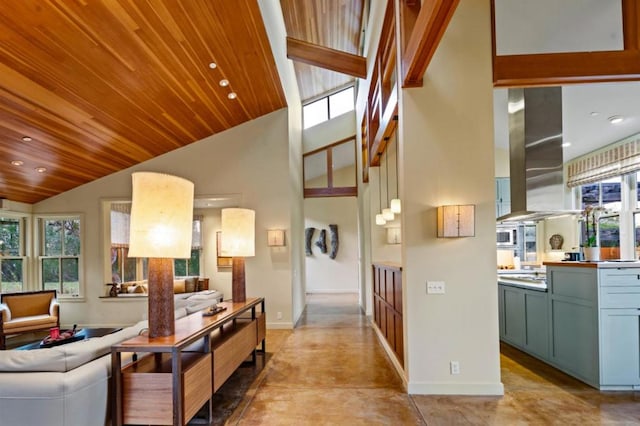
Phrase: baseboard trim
{"type": "Point", "coordinates": [434, 388]}
{"type": "Point", "coordinates": [329, 291]}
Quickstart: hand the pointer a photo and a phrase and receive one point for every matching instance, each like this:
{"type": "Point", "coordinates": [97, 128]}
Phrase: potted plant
{"type": "Point", "coordinates": [590, 245]}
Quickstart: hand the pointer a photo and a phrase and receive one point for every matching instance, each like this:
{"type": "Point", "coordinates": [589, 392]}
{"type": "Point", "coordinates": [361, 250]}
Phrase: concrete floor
{"type": "Point", "coordinates": [331, 370]}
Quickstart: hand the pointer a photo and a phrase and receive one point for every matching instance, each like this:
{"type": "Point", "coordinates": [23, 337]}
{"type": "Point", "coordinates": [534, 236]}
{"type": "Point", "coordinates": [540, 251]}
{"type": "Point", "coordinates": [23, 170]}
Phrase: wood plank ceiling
{"type": "Point", "coordinates": [336, 24]}
{"type": "Point", "coordinates": [102, 85]}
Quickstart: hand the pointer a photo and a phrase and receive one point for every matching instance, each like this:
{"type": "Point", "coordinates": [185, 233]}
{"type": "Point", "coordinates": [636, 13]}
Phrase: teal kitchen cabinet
{"type": "Point", "coordinates": [513, 315]}
{"type": "Point", "coordinates": [620, 358]}
{"type": "Point", "coordinates": [620, 328]}
{"type": "Point", "coordinates": [537, 323]}
{"type": "Point", "coordinates": [573, 309]}
{"type": "Point", "coordinates": [523, 319]}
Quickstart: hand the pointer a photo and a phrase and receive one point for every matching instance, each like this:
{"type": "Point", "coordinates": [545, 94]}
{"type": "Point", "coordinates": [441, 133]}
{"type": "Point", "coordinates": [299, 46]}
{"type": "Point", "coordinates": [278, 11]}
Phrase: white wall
{"type": "Point", "coordinates": [251, 159]}
{"type": "Point", "coordinates": [446, 152]}
{"type": "Point", "coordinates": [327, 132]}
{"type": "Point", "coordinates": [274, 25]}
{"type": "Point", "coordinates": [323, 274]}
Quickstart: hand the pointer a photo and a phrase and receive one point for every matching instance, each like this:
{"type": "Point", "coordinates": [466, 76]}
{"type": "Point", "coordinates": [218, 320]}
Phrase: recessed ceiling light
{"type": "Point", "coordinates": [17, 162]}
{"type": "Point", "coordinates": [40, 169]}
{"type": "Point", "coordinates": [616, 119]}
{"type": "Point", "coordinates": [594, 113]}
{"type": "Point", "coordinates": [232, 95]}
{"type": "Point", "coordinates": [26, 139]}
{"type": "Point", "coordinates": [212, 65]}
{"type": "Point", "coordinates": [566, 144]}
{"type": "Point", "coordinates": [224, 82]}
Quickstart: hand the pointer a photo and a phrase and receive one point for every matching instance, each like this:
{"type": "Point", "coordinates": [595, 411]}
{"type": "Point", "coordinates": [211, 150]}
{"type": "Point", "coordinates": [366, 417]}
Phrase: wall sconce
{"type": "Point", "coordinates": [161, 221]}
{"type": "Point", "coordinates": [275, 237]}
{"type": "Point", "coordinates": [456, 221]}
{"type": "Point", "coordinates": [394, 236]}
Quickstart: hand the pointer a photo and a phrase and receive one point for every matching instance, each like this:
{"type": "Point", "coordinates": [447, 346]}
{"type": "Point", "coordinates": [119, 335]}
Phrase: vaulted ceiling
{"type": "Point", "coordinates": [89, 88]}
{"type": "Point", "coordinates": [336, 24]}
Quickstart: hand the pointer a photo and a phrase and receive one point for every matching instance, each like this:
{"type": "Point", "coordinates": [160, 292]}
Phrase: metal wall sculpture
{"type": "Point", "coordinates": [322, 241]}
{"type": "Point", "coordinates": [333, 231]}
{"type": "Point", "coordinates": [308, 235]}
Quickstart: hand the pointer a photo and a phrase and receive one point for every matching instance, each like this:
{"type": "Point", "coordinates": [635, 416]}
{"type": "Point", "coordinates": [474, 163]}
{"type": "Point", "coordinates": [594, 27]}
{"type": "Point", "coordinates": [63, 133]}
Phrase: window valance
{"type": "Point", "coordinates": [617, 159]}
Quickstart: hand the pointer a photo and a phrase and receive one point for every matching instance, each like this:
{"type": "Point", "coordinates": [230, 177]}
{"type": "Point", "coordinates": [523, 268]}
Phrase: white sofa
{"type": "Point", "coordinates": [68, 385]}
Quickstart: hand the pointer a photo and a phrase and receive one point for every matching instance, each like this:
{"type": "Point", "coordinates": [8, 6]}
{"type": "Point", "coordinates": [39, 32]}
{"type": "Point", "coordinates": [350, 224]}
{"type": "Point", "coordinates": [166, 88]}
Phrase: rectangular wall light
{"type": "Point", "coordinates": [456, 221]}
{"type": "Point", "coordinates": [275, 237]}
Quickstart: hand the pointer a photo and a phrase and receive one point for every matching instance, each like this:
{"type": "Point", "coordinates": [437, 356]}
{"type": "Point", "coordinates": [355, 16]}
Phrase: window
{"type": "Point", "coordinates": [60, 254]}
{"type": "Point", "coordinates": [191, 266]}
{"type": "Point", "coordinates": [188, 267]}
{"type": "Point", "coordinates": [607, 194]}
{"type": "Point", "coordinates": [341, 102]}
{"type": "Point", "coordinates": [12, 255]}
{"type": "Point", "coordinates": [328, 107]}
{"type": "Point", "coordinates": [331, 170]}
{"type": "Point", "coordinates": [609, 234]}
{"type": "Point", "coordinates": [315, 113]}
{"type": "Point", "coordinates": [127, 269]}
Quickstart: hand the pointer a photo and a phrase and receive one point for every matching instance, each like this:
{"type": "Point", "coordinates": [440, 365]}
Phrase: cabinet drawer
{"type": "Point", "coordinates": [620, 297]}
{"type": "Point", "coordinates": [616, 277]}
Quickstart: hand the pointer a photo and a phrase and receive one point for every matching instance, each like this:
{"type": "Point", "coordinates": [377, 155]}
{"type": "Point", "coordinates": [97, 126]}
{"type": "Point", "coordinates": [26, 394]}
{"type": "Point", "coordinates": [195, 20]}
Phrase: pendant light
{"type": "Point", "coordinates": [379, 219]}
{"type": "Point", "coordinates": [387, 214]}
{"type": "Point", "coordinates": [396, 205]}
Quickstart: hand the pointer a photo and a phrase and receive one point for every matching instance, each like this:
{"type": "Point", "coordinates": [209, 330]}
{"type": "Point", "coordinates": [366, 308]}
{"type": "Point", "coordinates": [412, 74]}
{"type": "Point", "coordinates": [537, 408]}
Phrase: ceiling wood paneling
{"type": "Point", "coordinates": [104, 85]}
{"type": "Point", "coordinates": [330, 23]}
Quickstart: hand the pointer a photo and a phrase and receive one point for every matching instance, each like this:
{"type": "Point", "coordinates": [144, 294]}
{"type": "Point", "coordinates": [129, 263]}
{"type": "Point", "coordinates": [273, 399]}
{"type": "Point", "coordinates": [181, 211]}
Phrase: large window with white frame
{"type": "Point", "coordinates": [607, 194]}
{"type": "Point", "coordinates": [13, 258]}
{"type": "Point", "coordinates": [60, 254]}
{"type": "Point", "coordinates": [125, 269]}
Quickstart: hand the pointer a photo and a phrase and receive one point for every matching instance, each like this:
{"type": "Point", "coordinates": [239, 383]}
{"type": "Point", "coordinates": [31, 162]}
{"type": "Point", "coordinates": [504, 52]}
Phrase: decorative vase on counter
{"type": "Point", "coordinates": [591, 254]}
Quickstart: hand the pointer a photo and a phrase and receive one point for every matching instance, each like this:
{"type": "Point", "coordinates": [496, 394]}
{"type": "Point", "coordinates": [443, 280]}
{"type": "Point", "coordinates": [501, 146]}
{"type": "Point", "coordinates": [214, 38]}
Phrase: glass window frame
{"type": "Point", "coordinates": [327, 100]}
{"type": "Point", "coordinates": [21, 255]}
{"type": "Point", "coordinates": [40, 221]}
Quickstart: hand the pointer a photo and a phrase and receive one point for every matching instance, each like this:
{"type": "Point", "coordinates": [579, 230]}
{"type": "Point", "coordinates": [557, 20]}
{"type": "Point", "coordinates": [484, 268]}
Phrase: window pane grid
{"type": "Point", "coordinates": [60, 259]}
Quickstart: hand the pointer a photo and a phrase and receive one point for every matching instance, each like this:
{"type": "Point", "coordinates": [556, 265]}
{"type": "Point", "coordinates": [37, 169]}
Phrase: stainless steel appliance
{"type": "Point", "coordinates": [507, 237]}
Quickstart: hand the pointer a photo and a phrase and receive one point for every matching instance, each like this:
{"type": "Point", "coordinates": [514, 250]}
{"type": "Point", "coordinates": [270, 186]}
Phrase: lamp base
{"type": "Point", "coordinates": [161, 315]}
{"type": "Point", "coordinates": [238, 292]}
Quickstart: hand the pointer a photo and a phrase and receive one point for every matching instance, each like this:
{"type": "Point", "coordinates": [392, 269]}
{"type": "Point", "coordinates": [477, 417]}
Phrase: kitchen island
{"type": "Point", "coordinates": [586, 322]}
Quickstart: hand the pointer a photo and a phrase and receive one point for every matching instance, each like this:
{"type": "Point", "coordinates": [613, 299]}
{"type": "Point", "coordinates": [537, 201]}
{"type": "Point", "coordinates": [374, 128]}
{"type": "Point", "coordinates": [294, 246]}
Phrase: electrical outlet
{"type": "Point", "coordinates": [454, 367]}
{"type": "Point", "coordinates": [435, 287]}
{"type": "Point", "coordinates": [279, 315]}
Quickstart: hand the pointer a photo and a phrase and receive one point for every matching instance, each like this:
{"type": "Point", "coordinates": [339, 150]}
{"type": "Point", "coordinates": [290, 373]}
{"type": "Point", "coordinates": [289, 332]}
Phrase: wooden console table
{"type": "Point", "coordinates": [171, 383]}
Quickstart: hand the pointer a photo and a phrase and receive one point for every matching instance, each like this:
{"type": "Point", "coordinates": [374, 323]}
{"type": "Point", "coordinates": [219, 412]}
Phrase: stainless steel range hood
{"type": "Point", "coordinates": [535, 154]}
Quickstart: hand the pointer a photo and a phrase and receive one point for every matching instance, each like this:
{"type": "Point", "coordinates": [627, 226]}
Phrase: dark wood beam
{"type": "Point", "coordinates": [574, 67]}
{"type": "Point", "coordinates": [430, 25]}
{"type": "Point", "coordinates": [327, 58]}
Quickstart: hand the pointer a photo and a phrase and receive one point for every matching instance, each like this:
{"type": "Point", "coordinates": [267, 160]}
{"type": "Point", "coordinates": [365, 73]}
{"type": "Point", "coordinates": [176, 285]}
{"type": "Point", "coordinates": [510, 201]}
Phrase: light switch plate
{"type": "Point", "coordinates": [435, 287]}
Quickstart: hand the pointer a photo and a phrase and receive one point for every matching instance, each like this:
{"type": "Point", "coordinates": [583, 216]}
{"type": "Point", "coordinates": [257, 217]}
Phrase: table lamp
{"type": "Point", "coordinates": [238, 241]}
{"type": "Point", "coordinates": [161, 221]}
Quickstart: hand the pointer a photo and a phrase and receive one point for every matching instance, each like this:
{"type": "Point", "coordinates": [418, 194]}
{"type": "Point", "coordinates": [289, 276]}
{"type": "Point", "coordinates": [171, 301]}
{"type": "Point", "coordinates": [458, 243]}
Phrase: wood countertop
{"type": "Point", "coordinates": [598, 265]}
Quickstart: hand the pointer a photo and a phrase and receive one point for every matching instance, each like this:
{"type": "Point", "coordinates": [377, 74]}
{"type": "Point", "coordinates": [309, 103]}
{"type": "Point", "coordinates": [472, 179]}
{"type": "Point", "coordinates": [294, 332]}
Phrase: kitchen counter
{"type": "Point", "coordinates": [529, 279]}
{"type": "Point", "coordinates": [526, 283]}
{"type": "Point", "coordinates": [598, 264]}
